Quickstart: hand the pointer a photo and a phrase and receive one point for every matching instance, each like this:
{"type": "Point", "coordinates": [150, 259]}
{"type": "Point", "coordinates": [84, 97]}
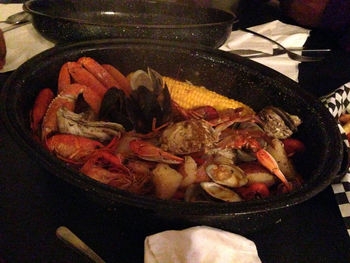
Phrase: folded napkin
{"type": "Point", "coordinates": [23, 42]}
{"type": "Point", "coordinates": [199, 244]}
{"type": "Point", "coordinates": [285, 34]}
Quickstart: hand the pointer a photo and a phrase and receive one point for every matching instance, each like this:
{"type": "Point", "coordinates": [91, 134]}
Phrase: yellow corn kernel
{"type": "Point", "coordinates": [190, 96]}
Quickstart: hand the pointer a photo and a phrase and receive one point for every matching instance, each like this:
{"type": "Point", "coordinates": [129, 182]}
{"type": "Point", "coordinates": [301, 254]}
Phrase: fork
{"type": "Point", "coordinates": [291, 55]}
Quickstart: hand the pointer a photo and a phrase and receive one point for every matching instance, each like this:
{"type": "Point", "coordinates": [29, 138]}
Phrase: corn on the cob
{"type": "Point", "coordinates": [190, 96]}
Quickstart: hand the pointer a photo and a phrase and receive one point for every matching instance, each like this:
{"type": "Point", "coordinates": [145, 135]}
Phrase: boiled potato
{"type": "Point", "coordinates": [188, 170]}
{"type": "Point", "coordinates": [166, 180]}
{"type": "Point", "coordinates": [279, 154]}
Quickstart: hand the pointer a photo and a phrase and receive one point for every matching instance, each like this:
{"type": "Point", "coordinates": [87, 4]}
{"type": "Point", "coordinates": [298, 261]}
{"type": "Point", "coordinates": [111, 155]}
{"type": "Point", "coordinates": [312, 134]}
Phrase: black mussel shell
{"type": "Point", "coordinates": [114, 108]}
{"type": "Point", "coordinates": [156, 80]}
{"type": "Point", "coordinates": [81, 106]}
{"type": "Point", "coordinates": [164, 101]}
{"type": "Point", "coordinates": [145, 109]}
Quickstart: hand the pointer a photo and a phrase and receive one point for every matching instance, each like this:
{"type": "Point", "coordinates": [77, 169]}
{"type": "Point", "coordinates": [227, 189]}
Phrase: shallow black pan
{"type": "Point", "coordinates": [228, 74]}
{"type": "Point", "coordinates": [69, 21]}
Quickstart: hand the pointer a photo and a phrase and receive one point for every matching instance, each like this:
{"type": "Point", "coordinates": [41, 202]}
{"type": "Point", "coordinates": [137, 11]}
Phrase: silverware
{"type": "Point", "coordinates": [6, 29]}
{"type": "Point", "coordinates": [291, 55]}
{"type": "Point", "coordinates": [17, 18]}
{"type": "Point", "coordinates": [251, 53]}
{"type": "Point", "coordinates": [70, 239]}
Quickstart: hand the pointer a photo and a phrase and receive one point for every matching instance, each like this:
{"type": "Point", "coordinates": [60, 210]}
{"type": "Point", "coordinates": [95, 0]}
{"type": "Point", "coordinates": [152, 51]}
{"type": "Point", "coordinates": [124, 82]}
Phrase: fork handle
{"type": "Point", "coordinates": [264, 37]}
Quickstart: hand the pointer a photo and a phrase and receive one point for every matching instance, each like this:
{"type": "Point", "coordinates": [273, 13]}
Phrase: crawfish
{"type": "Point", "coordinates": [108, 168]}
{"type": "Point", "coordinates": [75, 149]}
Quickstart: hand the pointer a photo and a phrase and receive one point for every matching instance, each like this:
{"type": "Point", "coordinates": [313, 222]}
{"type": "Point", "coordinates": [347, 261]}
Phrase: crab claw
{"type": "Point", "coordinates": [266, 160]}
{"type": "Point", "coordinates": [148, 151]}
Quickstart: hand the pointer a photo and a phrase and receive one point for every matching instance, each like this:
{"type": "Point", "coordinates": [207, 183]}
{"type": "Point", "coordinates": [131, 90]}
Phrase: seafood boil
{"type": "Point", "coordinates": [153, 135]}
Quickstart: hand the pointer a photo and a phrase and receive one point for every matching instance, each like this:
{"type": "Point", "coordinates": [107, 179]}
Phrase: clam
{"type": "Point", "coordinates": [278, 123]}
{"type": "Point", "coordinates": [151, 80]}
{"type": "Point", "coordinates": [140, 78]}
{"type": "Point", "coordinates": [228, 175]}
{"type": "Point", "coordinates": [220, 192]}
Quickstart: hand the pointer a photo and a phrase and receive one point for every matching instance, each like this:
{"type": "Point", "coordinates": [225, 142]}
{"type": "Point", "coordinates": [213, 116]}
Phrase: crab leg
{"type": "Point", "coordinates": [270, 163]}
{"type": "Point", "coordinates": [124, 83]}
{"type": "Point", "coordinates": [148, 151]}
{"type": "Point", "coordinates": [64, 79]}
{"type": "Point", "coordinates": [99, 72]}
{"type": "Point", "coordinates": [84, 77]}
{"type": "Point", "coordinates": [41, 104]}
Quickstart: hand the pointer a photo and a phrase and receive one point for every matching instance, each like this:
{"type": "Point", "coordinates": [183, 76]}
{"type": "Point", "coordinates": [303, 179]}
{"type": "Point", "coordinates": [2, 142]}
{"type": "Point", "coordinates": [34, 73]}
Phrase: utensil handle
{"type": "Point", "coordinates": [70, 239]}
{"type": "Point", "coordinates": [9, 28]}
{"type": "Point", "coordinates": [264, 37]}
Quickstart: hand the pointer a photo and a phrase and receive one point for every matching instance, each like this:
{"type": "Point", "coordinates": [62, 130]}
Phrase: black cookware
{"type": "Point", "coordinates": [69, 20]}
{"type": "Point", "coordinates": [225, 73]}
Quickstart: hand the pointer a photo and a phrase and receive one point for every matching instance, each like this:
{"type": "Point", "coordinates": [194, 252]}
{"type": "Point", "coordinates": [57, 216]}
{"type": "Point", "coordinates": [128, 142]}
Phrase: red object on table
{"type": "Point", "coordinates": [2, 50]}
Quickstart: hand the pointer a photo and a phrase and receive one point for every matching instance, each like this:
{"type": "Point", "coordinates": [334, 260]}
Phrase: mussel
{"type": "Point", "coordinates": [116, 107]}
{"type": "Point", "coordinates": [148, 101]}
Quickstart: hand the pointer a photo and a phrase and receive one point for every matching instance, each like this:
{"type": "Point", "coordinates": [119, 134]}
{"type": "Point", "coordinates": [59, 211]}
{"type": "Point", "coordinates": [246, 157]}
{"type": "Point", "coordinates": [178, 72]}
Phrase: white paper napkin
{"type": "Point", "coordinates": [23, 42]}
{"type": "Point", "coordinates": [200, 244]}
{"type": "Point", "coordinates": [287, 35]}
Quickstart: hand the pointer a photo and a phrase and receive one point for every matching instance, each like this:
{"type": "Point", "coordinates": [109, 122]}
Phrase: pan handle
{"type": "Point", "coordinates": [344, 168]}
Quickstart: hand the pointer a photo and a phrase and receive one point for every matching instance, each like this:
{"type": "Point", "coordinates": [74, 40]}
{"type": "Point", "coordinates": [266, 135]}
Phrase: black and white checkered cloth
{"type": "Point", "coordinates": [338, 102]}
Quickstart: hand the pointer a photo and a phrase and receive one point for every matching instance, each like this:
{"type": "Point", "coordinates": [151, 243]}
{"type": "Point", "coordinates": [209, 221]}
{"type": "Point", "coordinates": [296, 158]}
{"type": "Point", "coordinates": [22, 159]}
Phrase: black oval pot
{"type": "Point", "coordinates": [71, 21]}
{"type": "Point", "coordinates": [225, 73]}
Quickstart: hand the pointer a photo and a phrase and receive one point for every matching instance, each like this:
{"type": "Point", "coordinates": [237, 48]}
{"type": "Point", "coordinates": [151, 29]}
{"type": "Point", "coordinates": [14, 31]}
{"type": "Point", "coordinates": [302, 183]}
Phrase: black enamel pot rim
{"type": "Point", "coordinates": [113, 195]}
{"type": "Point", "coordinates": [231, 18]}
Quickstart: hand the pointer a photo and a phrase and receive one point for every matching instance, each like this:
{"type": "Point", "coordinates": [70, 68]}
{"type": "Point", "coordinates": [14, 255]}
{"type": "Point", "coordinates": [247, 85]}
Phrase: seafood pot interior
{"type": "Point", "coordinates": [227, 74]}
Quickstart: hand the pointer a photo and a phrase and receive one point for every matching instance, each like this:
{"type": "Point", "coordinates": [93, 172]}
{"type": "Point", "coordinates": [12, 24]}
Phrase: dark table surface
{"type": "Point", "coordinates": [34, 203]}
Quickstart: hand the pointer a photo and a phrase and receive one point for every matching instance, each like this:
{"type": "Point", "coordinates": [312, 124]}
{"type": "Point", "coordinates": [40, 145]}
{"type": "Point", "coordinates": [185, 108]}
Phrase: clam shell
{"type": "Point", "coordinates": [220, 192]}
{"type": "Point", "coordinates": [228, 175]}
{"type": "Point", "coordinates": [140, 78]}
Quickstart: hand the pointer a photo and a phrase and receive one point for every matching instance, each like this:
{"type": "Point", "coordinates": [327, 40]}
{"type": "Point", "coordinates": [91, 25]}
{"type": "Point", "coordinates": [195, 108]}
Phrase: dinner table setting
{"type": "Point", "coordinates": [62, 218]}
